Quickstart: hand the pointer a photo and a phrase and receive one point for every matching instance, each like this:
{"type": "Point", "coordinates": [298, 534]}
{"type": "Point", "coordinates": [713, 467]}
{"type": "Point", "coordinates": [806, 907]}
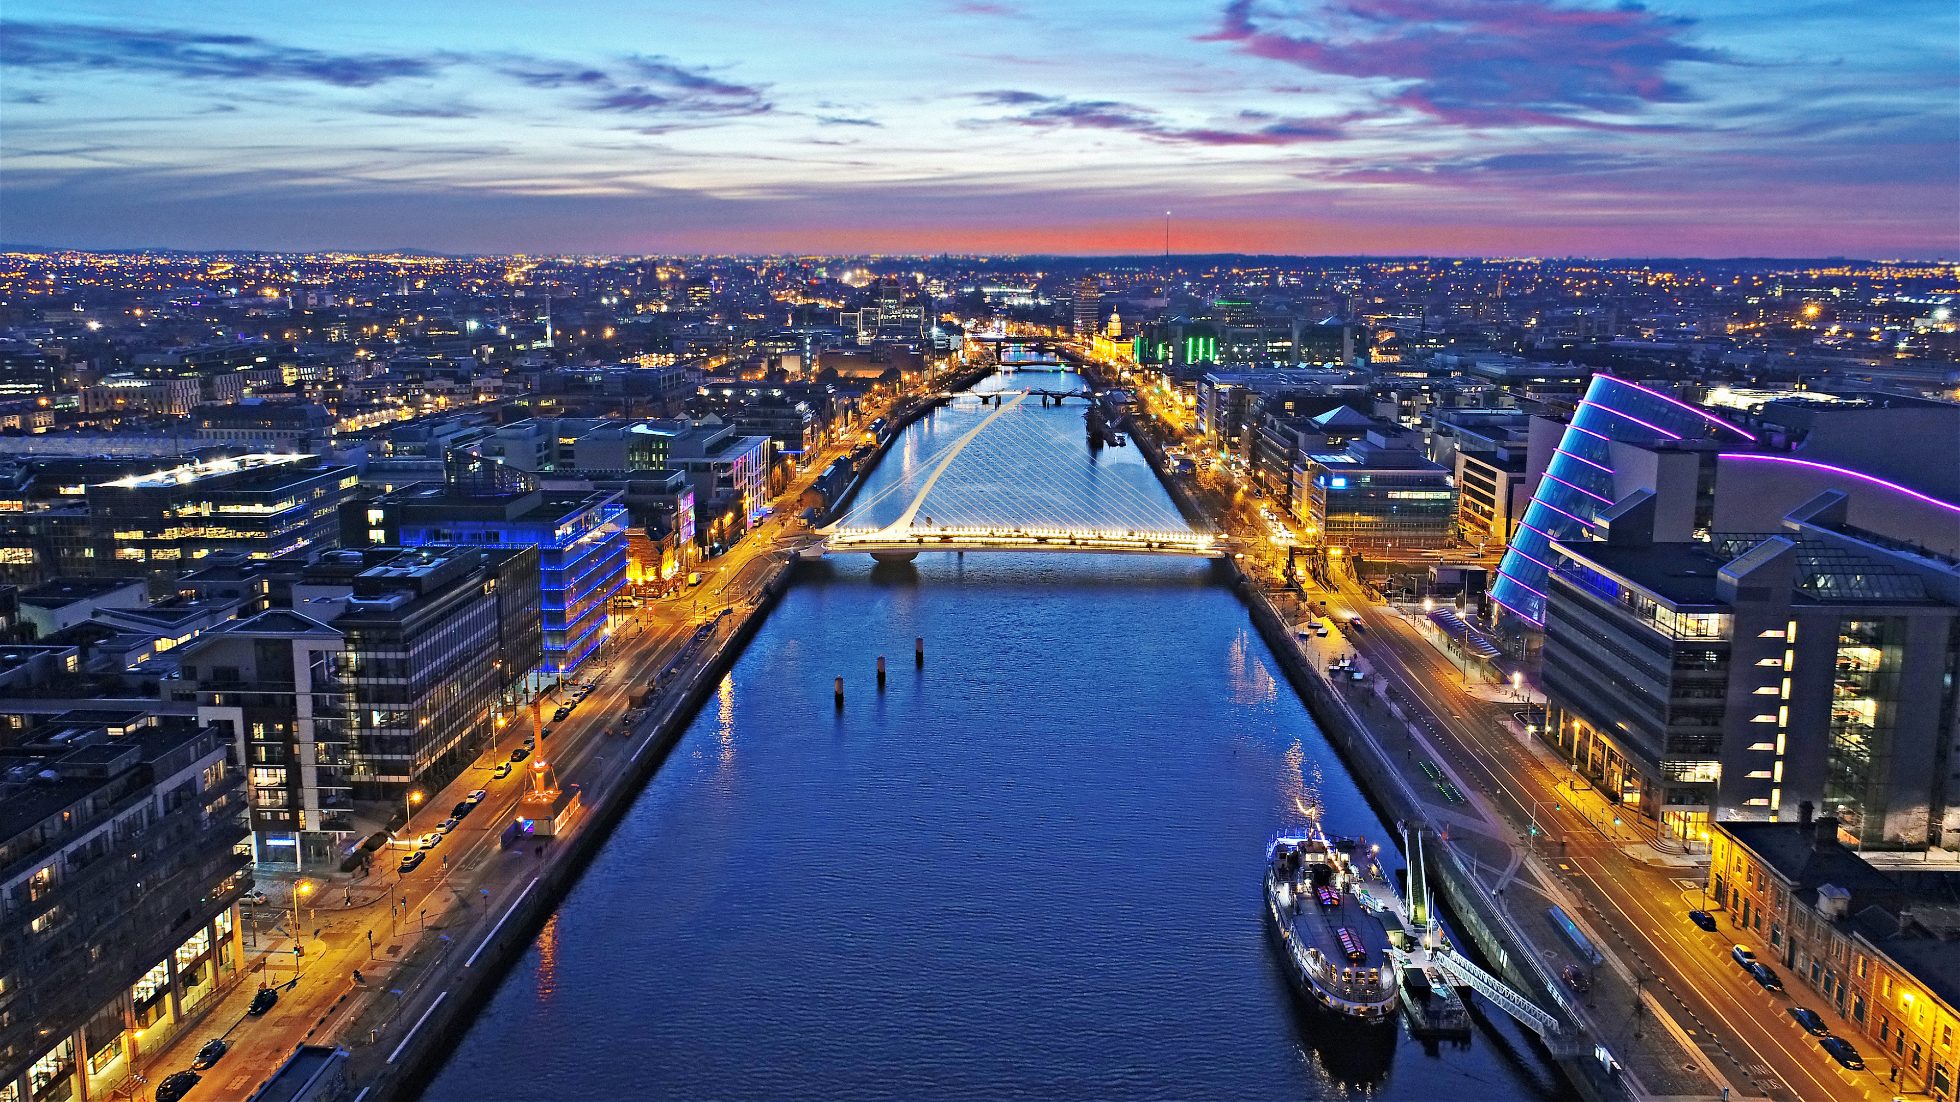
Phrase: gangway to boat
{"type": "Point", "coordinates": [1428, 949]}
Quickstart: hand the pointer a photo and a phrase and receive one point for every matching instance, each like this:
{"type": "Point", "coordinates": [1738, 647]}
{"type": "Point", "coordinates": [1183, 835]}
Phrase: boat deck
{"type": "Point", "coordinates": [1315, 925]}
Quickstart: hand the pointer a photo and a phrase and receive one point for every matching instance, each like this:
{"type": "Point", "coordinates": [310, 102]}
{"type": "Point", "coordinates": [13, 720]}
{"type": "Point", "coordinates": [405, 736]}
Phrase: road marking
{"type": "Point", "coordinates": [416, 1026]}
{"type": "Point", "coordinates": [491, 936]}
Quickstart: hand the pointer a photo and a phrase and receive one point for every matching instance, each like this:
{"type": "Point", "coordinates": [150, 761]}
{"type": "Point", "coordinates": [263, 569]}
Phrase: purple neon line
{"type": "Point", "coordinates": [1694, 409]}
{"type": "Point", "coordinates": [1861, 476]}
{"type": "Point", "coordinates": [1556, 509]}
{"type": "Point", "coordinates": [1521, 585]}
{"type": "Point", "coordinates": [1526, 616]}
{"type": "Point", "coordinates": [1589, 432]}
{"type": "Point", "coordinates": [1581, 489]}
{"type": "Point", "coordinates": [1541, 562]}
{"type": "Point", "coordinates": [1630, 417]}
{"type": "Point", "coordinates": [1541, 532]}
{"type": "Point", "coordinates": [1583, 459]}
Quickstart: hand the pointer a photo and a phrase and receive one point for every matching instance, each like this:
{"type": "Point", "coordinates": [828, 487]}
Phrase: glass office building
{"type": "Point", "coordinates": [1579, 482]}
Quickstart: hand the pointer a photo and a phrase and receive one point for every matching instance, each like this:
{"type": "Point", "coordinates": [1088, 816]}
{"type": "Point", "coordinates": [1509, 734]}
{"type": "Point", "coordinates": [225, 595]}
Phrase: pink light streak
{"type": "Point", "coordinates": [1541, 501]}
{"type": "Point", "coordinates": [1583, 459]}
{"type": "Point", "coordinates": [1533, 558]}
{"type": "Point", "coordinates": [1696, 410]}
{"type": "Point", "coordinates": [1581, 489]}
{"type": "Point", "coordinates": [1859, 475]}
{"type": "Point", "coordinates": [1519, 613]}
{"type": "Point", "coordinates": [1630, 417]}
{"type": "Point", "coordinates": [1521, 585]}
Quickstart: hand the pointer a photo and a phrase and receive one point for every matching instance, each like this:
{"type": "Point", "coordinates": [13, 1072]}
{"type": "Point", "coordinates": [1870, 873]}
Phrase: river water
{"type": "Point", "coordinates": [1029, 870]}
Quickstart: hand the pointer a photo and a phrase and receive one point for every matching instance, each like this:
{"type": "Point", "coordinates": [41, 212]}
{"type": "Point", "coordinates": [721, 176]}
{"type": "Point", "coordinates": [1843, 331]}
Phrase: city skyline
{"type": "Point", "coordinates": [1355, 127]}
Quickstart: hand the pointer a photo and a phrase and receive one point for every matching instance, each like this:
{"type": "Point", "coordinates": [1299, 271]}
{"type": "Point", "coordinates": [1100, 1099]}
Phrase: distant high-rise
{"type": "Point", "coordinates": [1088, 306]}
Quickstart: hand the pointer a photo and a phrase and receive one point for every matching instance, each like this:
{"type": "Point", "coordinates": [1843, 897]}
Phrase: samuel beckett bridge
{"type": "Point", "coordinates": [1017, 485]}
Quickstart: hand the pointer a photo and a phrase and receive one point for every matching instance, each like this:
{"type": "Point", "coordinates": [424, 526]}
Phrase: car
{"type": "Point", "coordinates": [1320, 633]}
{"type": "Point", "coordinates": [530, 742]}
{"type": "Point", "coordinates": [1354, 623]}
{"type": "Point", "coordinates": [430, 840]}
{"type": "Point", "coordinates": [462, 808]}
{"type": "Point", "coordinates": [176, 1085]}
{"type": "Point", "coordinates": [212, 1052]}
{"type": "Point", "coordinates": [265, 1000]}
{"type": "Point", "coordinates": [520, 753]}
{"type": "Point", "coordinates": [476, 797]}
{"type": "Point", "coordinates": [1742, 955]}
{"type": "Point", "coordinates": [410, 862]}
{"type": "Point", "coordinates": [1702, 919]}
{"type": "Point", "coordinates": [255, 897]}
{"type": "Point", "coordinates": [1841, 1051]}
{"type": "Point", "coordinates": [448, 824]}
{"type": "Point", "coordinates": [1766, 977]}
{"type": "Point", "coordinates": [502, 770]}
{"type": "Point", "coordinates": [1357, 675]}
{"type": "Point", "coordinates": [1575, 977]}
{"type": "Point", "coordinates": [1811, 1021]}
{"type": "Point", "coordinates": [544, 733]}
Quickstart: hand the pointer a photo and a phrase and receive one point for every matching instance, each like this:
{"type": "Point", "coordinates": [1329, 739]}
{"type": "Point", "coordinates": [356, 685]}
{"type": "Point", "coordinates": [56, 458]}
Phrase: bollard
{"type": "Point", "coordinates": [881, 673]}
{"type": "Point", "coordinates": [840, 694]}
{"type": "Point", "coordinates": [919, 651]}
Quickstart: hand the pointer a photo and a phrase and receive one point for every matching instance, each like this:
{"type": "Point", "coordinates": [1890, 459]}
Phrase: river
{"type": "Point", "coordinates": [1028, 870]}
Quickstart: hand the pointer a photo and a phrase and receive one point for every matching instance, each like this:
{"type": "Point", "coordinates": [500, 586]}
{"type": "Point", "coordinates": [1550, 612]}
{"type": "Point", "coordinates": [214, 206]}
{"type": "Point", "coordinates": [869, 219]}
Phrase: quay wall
{"type": "Point", "coordinates": [566, 859]}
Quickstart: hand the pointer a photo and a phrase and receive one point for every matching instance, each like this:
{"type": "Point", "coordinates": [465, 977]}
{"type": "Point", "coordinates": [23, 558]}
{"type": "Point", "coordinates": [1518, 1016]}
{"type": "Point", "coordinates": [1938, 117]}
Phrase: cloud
{"type": "Point", "coordinates": [1483, 63]}
{"type": "Point", "coordinates": [984, 7]}
{"type": "Point", "coordinates": [1042, 111]}
{"type": "Point", "coordinates": [25, 45]}
{"type": "Point", "coordinates": [402, 109]}
{"type": "Point", "coordinates": [847, 120]}
{"type": "Point", "coordinates": [636, 83]}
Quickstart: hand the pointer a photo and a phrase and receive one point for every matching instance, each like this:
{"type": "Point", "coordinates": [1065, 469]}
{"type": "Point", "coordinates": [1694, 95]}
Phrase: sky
{"type": "Point", "coordinates": [1782, 128]}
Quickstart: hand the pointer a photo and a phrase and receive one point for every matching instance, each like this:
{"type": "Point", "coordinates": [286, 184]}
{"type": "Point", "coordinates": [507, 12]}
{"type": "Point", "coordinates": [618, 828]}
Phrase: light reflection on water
{"type": "Point", "coordinates": [1029, 870]}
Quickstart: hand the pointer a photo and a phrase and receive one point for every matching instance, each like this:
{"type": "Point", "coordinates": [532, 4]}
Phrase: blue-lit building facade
{"type": "Point", "coordinates": [1585, 477]}
{"type": "Point", "coordinates": [581, 538]}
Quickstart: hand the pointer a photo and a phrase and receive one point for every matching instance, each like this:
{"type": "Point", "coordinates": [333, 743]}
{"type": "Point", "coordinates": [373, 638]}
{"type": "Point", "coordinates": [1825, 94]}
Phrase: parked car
{"type": "Point", "coordinates": [1575, 977]}
{"type": "Point", "coordinates": [411, 862]}
{"type": "Point", "coordinates": [462, 808]}
{"type": "Point", "coordinates": [1841, 1051]}
{"type": "Point", "coordinates": [255, 897]}
{"type": "Point", "coordinates": [502, 771]}
{"type": "Point", "coordinates": [176, 1085]}
{"type": "Point", "coordinates": [212, 1052]}
{"type": "Point", "coordinates": [430, 840]}
{"type": "Point", "coordinates": [1766, 977]}
{"type": "Point", "coordinates": [476, 797]}
{"type": "Point", "coordinates": [266, 999]}
{"type": "Point", "coordinates": [1702, 919]}
{"type": "Point", "coordinates": [1742, 956]}
{"type": "Point", "coordinates": [520, 753]}
{"type": "Point", "coordinates": [1811, 1021]}
{"type": "Point", "coordinates": [449, 824]}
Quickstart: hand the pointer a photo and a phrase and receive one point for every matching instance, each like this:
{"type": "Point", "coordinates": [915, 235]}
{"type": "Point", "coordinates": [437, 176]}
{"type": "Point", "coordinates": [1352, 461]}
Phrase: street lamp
{"type": "Point", "coordinates": [408, 804]}
{"type": "Point", "coordinates": [301, 889]}
{"type": "Point", "coordinates": [1517, 683]}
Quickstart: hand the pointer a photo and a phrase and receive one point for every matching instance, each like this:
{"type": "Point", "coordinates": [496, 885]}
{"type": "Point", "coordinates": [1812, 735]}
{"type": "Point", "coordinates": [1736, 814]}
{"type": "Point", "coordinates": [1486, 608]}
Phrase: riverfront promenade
{"type": "Point", "coordinates": [1669, 1003]}
{"type": "Point", "coordinates": [429, 945]}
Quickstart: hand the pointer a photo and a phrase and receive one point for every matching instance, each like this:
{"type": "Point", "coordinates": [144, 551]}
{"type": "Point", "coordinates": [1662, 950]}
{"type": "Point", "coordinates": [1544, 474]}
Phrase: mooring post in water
{"type": "Point", "coordinates": [919, 651]}
{"type": "Point", "coordinates": [881, 673]}
{"type": "Point", "coordinates": [840, 694]}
